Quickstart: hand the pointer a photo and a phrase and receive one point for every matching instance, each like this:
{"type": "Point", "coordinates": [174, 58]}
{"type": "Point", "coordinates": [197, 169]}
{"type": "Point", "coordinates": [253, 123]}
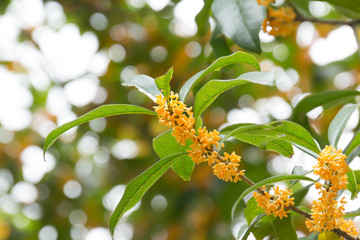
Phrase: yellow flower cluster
{"type": "Point", "coordinates": [176, 115]}
{"type": "Point", "coordinates": [326, 212]}
{"type": "Point", "coordinates": [275, 204]}
{"type": "Point", "coordinates": [281, 21]}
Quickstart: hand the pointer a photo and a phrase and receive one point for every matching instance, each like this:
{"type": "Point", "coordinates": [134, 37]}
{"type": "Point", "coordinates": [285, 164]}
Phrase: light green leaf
{"type": "Point", "coordinates": [354, 143]}
{"type": "Point", "coordinates": [339, 122]}
{"type": "Point", "coordinates": [102, 111]}
{"type": "Point", "coordinates": [252, 210]}
{"type": "Point", "coordinates": [166, 145]}
{"type": "Point", "coordinates": [238, 57]}
{"type": "Point", "coordinates": [138, 186]}
{"type": "Point", "coordinates": [202, 18]}
{"type": "Point", "coordinates": [352, 183]}
{"type": "Point", "coordinates": [284, 228]}
{"type": "Point", "coordinates": [211, 90]}
{"type": "Point", "coordinates": [163, 83]}
{"type": "Point", "coordinates": [266, 182]}
{"type": "Point", "coordinates": [241, 21]}
{"type": "Point", "coordinates": [246, 234]}
{"type": "Point", "coordinates": [243, 132]}
{"type": "Point", "coordinates": [326, 99]}
{"type": "Point", "coordinates": [144, 84]}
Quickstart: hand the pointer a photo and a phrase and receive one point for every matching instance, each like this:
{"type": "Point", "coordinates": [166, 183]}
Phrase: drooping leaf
{"type": "Point", "coordinates": [326, 99]}
{"type": "Point", "coordinates": [219, 43]}
{"type": "Point", "coordinates": [166, 145]}
{"type": "Point", "coordinates": [102, 111]}
{"type": "Point", "coordinates": [138, 186]}
{"type": "Point", "coordinates": [202, 18]}
{"type": "Point", "coordinates": [284, 228]}
{"type": "Point", "coordinates": [163, 83]}
{"type": "Point", "coordinates": [241, 132]}
{"type": "Point", "coordinates": [241, 21]}
{"type": "Point", "coordinates": [266, 182]}
{"type": "Point", "coordinates": [247, 232]}
{"type": "Point", "coordinates": [352, 183]}
{"type": "Point", "coordinates": [339, 122]}
{"type": "Point", "coordinates": [238, 57]}
{"type": "Point", "coordinates": [212, 89]}
{"type": "Point", "coordinates": [144, 84]}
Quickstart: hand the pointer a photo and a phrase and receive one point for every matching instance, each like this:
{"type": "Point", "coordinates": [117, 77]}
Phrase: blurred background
{"type": "Point", "coordinates": [60, 59]}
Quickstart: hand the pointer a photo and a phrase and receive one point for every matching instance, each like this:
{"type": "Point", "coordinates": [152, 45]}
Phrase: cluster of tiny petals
{"type": "Point", "coordinates": [176, 115]}
{"type": "Point", "coordinates": [327, 213]}
{"type": "Point", "coordinates": [280, 22]}
{"type": "Point", "coordinates": [265, 3]}
{"type": "Point", "coordinates": [275, 204]}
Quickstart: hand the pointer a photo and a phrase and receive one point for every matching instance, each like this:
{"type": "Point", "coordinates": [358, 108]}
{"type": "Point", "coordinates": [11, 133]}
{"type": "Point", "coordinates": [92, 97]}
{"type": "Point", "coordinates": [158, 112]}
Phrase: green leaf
{"type": "Point", "coordinates": [211, 90]}
{"type": "Point", "coordinates": [138, 186]}
{"type": "Point", "coordinates": [354, 143]}
{"type": "Point", "coordinates": [266, 182]}
{"type": "Point", "coordinates": [241, 21]}
{"type": "Point", "coordinates": [313, 236]}
{"type": "Point", "coordinates": [144, 84]}
{"type": "Point", "coordinates": [219, 43]}
{"type": "Point", "coordinates": [202, 18]}
{"type": "Point", "coordinates": [252, 210]}
{"type": "Point", "coordinates": [339, 122]}
{"type": "Point", "coordinates": [352, 183]}
{"type": "Point", "coordinates": [246, 234]}
{"type": "Point", "coordinates": [326, 99]}
{"type": "Point", "coordinates": [300, 194]}
{"type": "Point", "coordinates": [347, 4]}
{"type": "Point", "coordinates": [163, 83]}
{"type": "Point", "coordinates": [238, 57]}
{"type": "Point", "coordinates": [353, 154]}
{"type": "Point", "coordinates": [243, 132]}
{"type": "Point", "coordinates": [284, 228]}
{"type": "Point", "coordinates": [102, 111]}
{"type": "Point", "coordinates": [166, 145]}
{"type": "Point", "coordinates": [283, 130]}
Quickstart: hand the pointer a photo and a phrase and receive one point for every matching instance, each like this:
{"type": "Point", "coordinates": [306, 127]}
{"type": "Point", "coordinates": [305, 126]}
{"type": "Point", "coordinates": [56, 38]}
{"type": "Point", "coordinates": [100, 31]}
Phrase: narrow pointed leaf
{"type": "Point", "coordinates": [241, 21]}
{"type": "Point", "coordinates": [102, 111]}
{"type": "Point", "coordinates": [163, 83]}
{"type": "Point", "coordinates": [352, 183]}
{"type": "Point", "coordinates": [144, 84]}
{"type": "Point", "coordinates": [266, 182]}
{"type": "Point", "coordinates": [138, 186]}
{"type": "Point", "coordinates": [354, 143]}
{"type": "Point", "coordinates": [211, 90]}
{"type": "Point", "coordinates": [166, 145]}
{"type": "Point", "coordinates": [326, 99]}
{"type": "Point", "coordinates": [339, 122]}
{"type": "Point", "coordinates": [247, 232]}
{"type": "Point", "coordinates": [238, 57]}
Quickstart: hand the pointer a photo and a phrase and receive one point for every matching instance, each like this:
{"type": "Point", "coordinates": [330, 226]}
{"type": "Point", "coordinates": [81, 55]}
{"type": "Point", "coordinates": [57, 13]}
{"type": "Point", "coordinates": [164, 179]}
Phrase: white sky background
{"type": "Point", "coordinates": [66, 56]}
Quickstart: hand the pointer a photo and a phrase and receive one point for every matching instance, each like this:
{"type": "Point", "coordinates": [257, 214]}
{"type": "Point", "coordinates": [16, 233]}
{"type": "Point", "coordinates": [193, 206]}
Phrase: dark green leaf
{"type": "Point", "coordinates": [202, 18]}
{"type": "Point", "coordinates": [246, 234]}
{"type": "Point", "coordinates": [346, 4]}
{"type": "Point", "coordinates": [238, 57]}
{"type": "Point", "coordinates": [300, 194]}
{"type": "Point", "coordinates": [266, 182]}
{"type": "Point", "coordinates": [352, 183]}
{"type": "Point", "coordinates": [166, 145]}
{"type": "Point", "coordinates": [211, 90]}
{"type": "Point", "coordinates": [138, 186]}
{"type": "Point", "coordinates": [284, 228]}
{"type": "Point", "coordinates": [219, 43]}
{"type": "Point", "coordinates": [144, 84]}
{"type": "Point", "coordinates": [163, 83]}
{"type": "Point", "coordinates": [241, 21]}
{"type": "Point", "coordinates": [326, 99]}
{"type": "Point", "coordinates": [102, 111]}
{"type": "Point", "coordinates": [339, 122]}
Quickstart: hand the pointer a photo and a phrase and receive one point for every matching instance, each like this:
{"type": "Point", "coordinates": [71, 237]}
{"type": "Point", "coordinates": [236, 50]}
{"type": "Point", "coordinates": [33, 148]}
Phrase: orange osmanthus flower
{"type": "Point", "coordinates": [327, 213]}
{"type": "Point", "coordinates": [176, 115]}
{"type": "Point", "coordinates": [275, 204]}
